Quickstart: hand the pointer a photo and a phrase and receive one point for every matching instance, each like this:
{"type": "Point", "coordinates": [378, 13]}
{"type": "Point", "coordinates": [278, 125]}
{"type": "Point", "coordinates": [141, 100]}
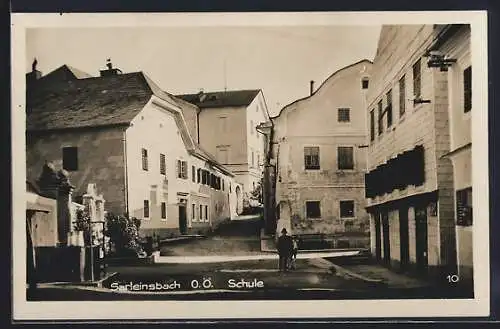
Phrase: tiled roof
{"type": "Point", "coordinates": [90, 102]}
{"type": "Point", "coordinates": [234, 98]}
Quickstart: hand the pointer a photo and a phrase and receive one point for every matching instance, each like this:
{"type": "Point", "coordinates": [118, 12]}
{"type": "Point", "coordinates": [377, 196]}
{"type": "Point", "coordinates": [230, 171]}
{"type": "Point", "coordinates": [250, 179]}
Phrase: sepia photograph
{"type": "Point", "coordinates": [309, 159]}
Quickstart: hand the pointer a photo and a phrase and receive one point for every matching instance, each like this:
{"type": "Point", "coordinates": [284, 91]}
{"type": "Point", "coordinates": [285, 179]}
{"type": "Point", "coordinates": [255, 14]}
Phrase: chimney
{"type": "Point", "coordinates": [110, 71]}
{"type": "Point", "coordinates": [34, 75]}
{"type": "Point", "coordinates": [201, 95]}
{"type": "Point", "coordinates": [311, 88]}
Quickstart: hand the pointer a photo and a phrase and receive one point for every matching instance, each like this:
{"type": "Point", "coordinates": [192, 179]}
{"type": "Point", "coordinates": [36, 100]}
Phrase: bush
{"type": "Point", "coordinates": [123, 232]}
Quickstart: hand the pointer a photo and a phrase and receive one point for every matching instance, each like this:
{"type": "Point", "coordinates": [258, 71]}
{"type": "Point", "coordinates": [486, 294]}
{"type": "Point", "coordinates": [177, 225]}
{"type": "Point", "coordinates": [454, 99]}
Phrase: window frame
{"type": "Point", "coordinates": [339, 147]}
{"type": "Point", "coordinates": [353, 209]}
{"type": "Point", "coordinates": [163, 211]}
{"type": "Point", "coordinates": [311, 166]}
{"type": "Point", "coordinates": [388, 108]}
{"type": "Point", "coordinates": [146, 211]}
{"type": "Point", "coordinates": [339, 111]}
{"type": "Point", "coordinates": [145, 160]}
{"type": "Point", "coordinates": [380, 118]}
{"type": "Point", "coordinates": [372, 125]}
{"type": "Point", "coordinates": [306, 208]}
{"type": "Point", "coordinates": [163, 164]}
{"type": "Point", "coordinates": [467, 90]}
{"type": "Point", "coordinates": [70, 151]}
{"type": "Point", "coordinates": [417, 78]}
{"type": "Point", "coordinates": [402, 96]}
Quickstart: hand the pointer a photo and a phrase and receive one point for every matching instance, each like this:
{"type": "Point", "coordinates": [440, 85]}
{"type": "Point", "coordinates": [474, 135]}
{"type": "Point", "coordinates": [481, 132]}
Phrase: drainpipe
{"type": "Point", "coordinates": [125, 170]}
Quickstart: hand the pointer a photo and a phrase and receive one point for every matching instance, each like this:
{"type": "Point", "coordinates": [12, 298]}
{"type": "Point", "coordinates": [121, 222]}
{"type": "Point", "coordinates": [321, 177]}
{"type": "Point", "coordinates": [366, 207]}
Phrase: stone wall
{"type": "Point", "coordinates": [100, 161]}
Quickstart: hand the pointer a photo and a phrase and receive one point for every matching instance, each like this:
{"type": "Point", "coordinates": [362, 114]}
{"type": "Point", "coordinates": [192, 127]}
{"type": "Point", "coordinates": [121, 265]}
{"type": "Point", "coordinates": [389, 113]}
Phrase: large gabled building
{"type": "Point", "coordinates": [226, 127]}
{"type": "Point", "coordinates": [130, 138]}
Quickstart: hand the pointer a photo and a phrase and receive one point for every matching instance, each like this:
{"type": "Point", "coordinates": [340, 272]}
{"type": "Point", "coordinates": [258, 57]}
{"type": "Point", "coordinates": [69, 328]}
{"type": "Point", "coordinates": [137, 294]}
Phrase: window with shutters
{"type": "Point", "coordinates": [193, 212]}
{"type": "Point", "coordinates": [163, 164]}
{"type": "Point", "coordinates": [344, 115]}
{"type": "Point", "coordinates": [389, 108]}
{"type": "Point", "coordinates": [417, 80]}
{"type": "Point", "coordinates": [347, 209]}
{"type": "Point", "coordinates": [464, 207]}
{"type": "Point", "coordinates": [206, 213]}
{"type": "Point", "coordinates": [198, 175]}
{"type": "Point", "coordinates": [311, 157]}
{"type": "Point", "coordinates": [163, 210]}
{"type": "Point", "coordinates": [380, 118]}
{"type": "Point", "coordinates": [193, 174]}
{"type": "Point", "coordinates": [402, 96]}
{"type": "Point", "coordinates": [70, 158]}
{"type": "Point", "coordinates": [313, 209]}
{"type": "Point", "coordinates": [467, 89]}
{"type": "Point", "coordinates": [144, 159]}
{"type": "Point", "coordinates": [146, 209]}
{"type": "Point", "coordinates": [201, 212]}
{"type": "Point", "coordinates": [372, 125]}
{"type": "Point", "coordinates": [345, 156]}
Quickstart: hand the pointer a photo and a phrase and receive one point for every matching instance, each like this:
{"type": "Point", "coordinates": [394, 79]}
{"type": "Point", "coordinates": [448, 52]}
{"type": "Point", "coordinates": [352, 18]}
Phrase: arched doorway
{"type": "Point", "coordinates": [239, 200]}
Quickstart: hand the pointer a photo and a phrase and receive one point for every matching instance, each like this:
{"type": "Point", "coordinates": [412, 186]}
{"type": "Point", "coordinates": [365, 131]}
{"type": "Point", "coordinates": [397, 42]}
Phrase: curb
{"type": "Point", "coordinates": [345, 271]}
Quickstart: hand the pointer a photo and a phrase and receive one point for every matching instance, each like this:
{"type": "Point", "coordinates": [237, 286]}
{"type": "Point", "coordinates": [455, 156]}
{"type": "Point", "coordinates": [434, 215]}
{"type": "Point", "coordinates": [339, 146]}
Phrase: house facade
{"type": "Point", "coordinates": [318, 152]}
{"type": "Point", "coordinates": [455, 45]}
{"type": "Point", "coordinates": [130, 138]}
{"type": "Point", "coordinates": [226, 124]}
{"type": "Point", "coordinates": [410, 183]}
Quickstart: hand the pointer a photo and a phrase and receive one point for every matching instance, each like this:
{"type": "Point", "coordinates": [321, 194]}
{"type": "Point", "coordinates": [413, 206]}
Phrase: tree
{"type": "Point", "coordinates": [123, 232]}
{"type": "Point", "coordinates": [82, 223]}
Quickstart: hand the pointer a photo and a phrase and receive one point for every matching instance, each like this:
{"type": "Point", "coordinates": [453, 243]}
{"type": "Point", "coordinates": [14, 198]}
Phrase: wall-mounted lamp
{"type": "Point", "coordinates": [438, 60]}
{"type": "Point", "coordinates": [419, 100]}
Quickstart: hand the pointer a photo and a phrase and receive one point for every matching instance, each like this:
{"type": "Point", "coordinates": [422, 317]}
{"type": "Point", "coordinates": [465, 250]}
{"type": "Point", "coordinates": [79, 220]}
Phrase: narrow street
{"type": "Point", "coordinates": [230, 265]}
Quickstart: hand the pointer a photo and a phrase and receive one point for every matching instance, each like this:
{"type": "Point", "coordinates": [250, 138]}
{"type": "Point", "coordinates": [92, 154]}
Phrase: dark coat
{"type": "Point", "coordinates": [285, 245]}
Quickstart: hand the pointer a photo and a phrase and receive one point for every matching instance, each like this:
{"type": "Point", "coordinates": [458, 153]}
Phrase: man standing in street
{"type": "Point", "coordinates": [285, 247]}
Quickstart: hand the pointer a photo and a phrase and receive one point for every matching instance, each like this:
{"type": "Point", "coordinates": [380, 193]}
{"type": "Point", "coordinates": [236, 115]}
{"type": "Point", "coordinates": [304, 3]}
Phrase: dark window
{"type": "Point", "coordinates": [204, 177]}
{"type": "Point", "coordinates": [198, 174]}
{"type": "Point", "coordinates": [146, 208]}
{"type": "Point", "coordinates": [389, 108]}
{"type": "Point", "coordinates": [346, 209]}
{"type": "Point", "coordinates": [182, 169]}
{"type": "Point", "coordinates": [201, 212]}
{"type": "Point", "coordinates": [345, 156]}
{"type": "Point", "coordinates": [364, 83]}
{"type": "Point", "coordinates": [313, 209]}
{"type": "Point", "coordinates": [223, 187]}
{"type": "Point", "coordinates": [402, 96]}
{"type": "Point", "coordinates": [380, 118]}
{"type": "Point", "coordinates": [344, 115]}
{"type": "Point", "coordinates": [206, 212]}
{"type": "Point", "coordinates": [372, 125]}
{"type": "Point", "coordinates": [311, 157]}
{"type": "Point", "coordinates": [464, 207]}
{"type": "Point", "coordinates": [144, 159]}
{"type": "Point", "coordinates": [193, 173]}
{"type": "Point", "coordinates": [163, 164]}
{"type": "Point", "coordinates": [70, 158]}
{"type": "Point", "coordinates": [163, 210]}
{"type": "Point", "coordinates": [193, 211]}
{"type": "Point", "coordinates": [468, 89]}
{"type": "Point", "coordinates": [417, 80]}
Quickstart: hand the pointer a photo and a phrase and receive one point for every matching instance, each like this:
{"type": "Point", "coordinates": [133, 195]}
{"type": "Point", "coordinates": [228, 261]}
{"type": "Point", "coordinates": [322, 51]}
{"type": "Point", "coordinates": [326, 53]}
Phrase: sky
{"type": "Point", "coordinates": [279, 60]}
